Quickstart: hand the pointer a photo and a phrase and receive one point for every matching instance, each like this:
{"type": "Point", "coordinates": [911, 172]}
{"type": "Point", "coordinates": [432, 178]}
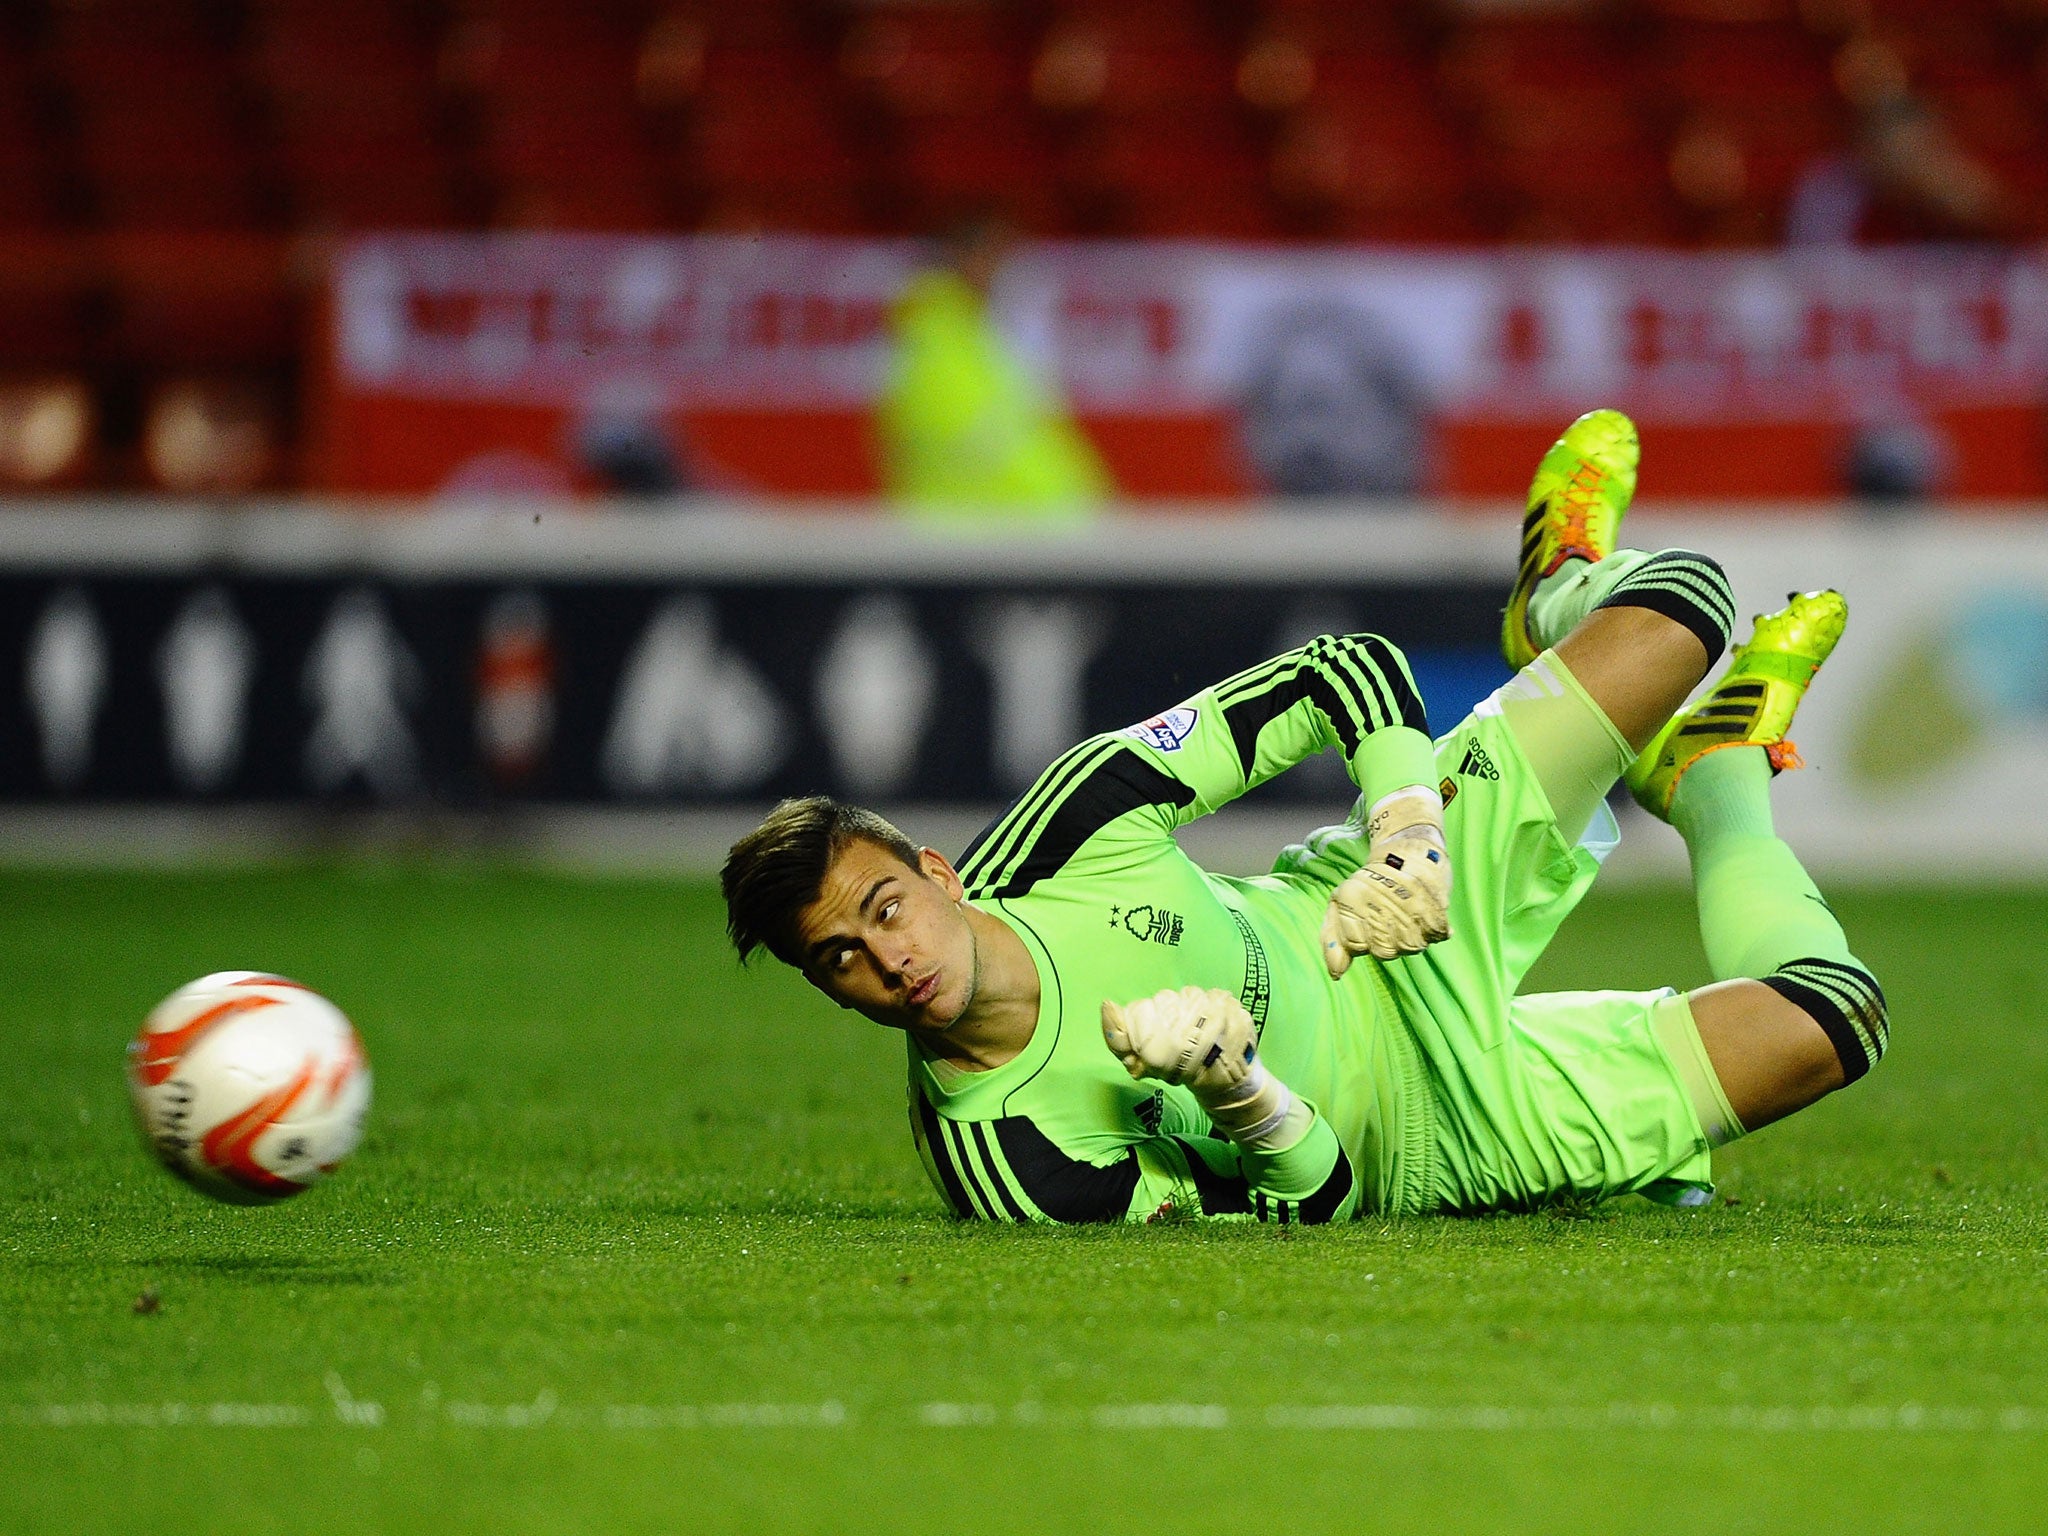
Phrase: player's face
{"type": "Point", "coordinates": [891, 941]}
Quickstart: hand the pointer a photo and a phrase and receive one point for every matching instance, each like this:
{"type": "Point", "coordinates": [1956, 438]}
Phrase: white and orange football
{"type": "Point", "coordinates": [248, 1086]}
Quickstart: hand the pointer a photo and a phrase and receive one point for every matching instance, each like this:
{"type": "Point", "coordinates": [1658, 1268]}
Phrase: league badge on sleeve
{"type": "Point", "coordinates": [1165, 732]}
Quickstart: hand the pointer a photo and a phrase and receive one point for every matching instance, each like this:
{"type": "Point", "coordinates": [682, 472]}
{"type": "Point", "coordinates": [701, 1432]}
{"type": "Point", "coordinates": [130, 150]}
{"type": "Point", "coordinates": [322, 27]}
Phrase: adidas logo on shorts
{"type": "Point", "coordinates": [1477, 764]}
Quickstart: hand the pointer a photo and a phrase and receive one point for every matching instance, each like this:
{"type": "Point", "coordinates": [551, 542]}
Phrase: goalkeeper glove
{"type": "Point", "coordinates": [1203, 1041]}
{"type": "Point", "coordinates": [1399, 902]}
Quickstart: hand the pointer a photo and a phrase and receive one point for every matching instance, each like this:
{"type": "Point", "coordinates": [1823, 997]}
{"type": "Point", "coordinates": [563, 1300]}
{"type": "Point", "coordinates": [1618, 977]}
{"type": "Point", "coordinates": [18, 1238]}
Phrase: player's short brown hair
{"type": "Point", "coordinates": [777, 869]}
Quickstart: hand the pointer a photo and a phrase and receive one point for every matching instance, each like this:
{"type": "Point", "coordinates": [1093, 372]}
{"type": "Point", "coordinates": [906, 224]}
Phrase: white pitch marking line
{"type": "Point", "coordinates": [546, 1409]}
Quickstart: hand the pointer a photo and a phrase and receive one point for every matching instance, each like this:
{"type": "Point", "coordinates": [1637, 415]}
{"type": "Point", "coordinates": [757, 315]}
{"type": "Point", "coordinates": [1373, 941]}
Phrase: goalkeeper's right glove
{"type": "Point", "coordinates": [1204, 1041]}
{"type": "Point", "coordinates": [1399, 902]}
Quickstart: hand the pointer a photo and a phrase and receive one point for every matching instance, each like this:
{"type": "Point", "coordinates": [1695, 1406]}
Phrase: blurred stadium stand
{"type": "Point", "coordinates": [169, 169]}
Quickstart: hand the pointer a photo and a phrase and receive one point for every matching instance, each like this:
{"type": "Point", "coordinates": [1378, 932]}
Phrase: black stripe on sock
{"type": "Point", "coordinates": [1855, 989]}
{"type": "Point", "coordinates": [1838, 1020]}
{"type": "Point", "coordinates": [1833, 1022]}
{"type": "Point", "coordinates": [1703, 580]}
{"type": "Point", "coordinates": [1683, 604]}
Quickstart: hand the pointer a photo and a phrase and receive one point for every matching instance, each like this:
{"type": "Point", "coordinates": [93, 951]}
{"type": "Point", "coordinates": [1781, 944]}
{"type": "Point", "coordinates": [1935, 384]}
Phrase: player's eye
{"type": "Point", "coordinates": [889, 910]}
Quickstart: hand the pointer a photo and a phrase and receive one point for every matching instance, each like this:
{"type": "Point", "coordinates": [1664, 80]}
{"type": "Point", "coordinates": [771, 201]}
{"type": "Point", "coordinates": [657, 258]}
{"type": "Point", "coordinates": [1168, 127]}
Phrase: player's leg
{"type": "Point", "coordinates": [1793, 1014]}
{"type": "Point", "coordinates": [1607, 643]}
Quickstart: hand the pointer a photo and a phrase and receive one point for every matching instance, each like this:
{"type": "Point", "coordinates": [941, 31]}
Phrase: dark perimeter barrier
{"type": "Point", "coordinates": [553, 656]}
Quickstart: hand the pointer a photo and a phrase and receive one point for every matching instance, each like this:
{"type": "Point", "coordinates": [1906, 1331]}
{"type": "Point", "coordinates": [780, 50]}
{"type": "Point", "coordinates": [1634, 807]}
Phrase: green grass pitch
{"type": "Point", "coordinates": [637, 1243]}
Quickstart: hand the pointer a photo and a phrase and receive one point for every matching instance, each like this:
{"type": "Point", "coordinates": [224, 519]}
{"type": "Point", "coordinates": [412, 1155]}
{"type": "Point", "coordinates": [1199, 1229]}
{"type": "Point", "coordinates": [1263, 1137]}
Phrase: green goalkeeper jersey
{"type": "Point", "coordinates": [1084, 868]}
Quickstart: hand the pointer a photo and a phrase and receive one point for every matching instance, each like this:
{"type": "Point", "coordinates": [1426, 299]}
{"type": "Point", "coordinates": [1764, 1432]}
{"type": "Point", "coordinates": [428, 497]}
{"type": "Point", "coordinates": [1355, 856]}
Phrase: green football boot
{"type": "Point", "coordinates": [1576, 502]}
{"type": "Point", "coordinates": [1753, 704]}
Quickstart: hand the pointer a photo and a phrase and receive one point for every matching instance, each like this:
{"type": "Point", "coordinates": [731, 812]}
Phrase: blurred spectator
{"type": "Point", "coordinates": [1905, 173]}
{"type": "Point", "coordinates": [965, 426]}
{"type": "Point", "coordinates": [628, 450]}
{"type": "Point", "coordinates": [1330, 407]}
{"type": "Point", "coordinates": [1895, 462]}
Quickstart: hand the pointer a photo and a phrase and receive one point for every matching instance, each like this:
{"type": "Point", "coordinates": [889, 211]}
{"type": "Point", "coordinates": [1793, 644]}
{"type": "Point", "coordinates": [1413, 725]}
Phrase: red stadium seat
{"type": "Point", "coordinates": [183, 300]}
{"type": "Point", "coordinates": [158, 133]}
{"type": "Point", "coordinates": [819, 208]}
{"type": "Point", "coordinates": [1138, 175]}
{"type": "Point", "coordinates": [98, 28]}
{"type": "Point", "coordinates": [947, 107]}
{"type": "Point", "coordinates": [354, 116]}
{"type": "Point", "coordinates": [47, 287]}
{"type": "Point", "coordinates": [1363, 176]}
{"type": "Point", "coordinates": [25, 180]}
{"type": "Point", "coordinates": [1762, 63]}
{"type": "Point", "coordinates": [764, 133]}
{"type": "Point", "coordinates": [945, 167]}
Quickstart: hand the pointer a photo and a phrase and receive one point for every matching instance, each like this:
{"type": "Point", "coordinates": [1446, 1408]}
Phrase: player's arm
{"type": "Point", "coordinates": [1010, 1170]}
{"type": "Point", "coordinates": [1351, 692]}
{"type": "Point", "coordinates": [1281, 1161]}
{"type": "Point", "coordinates": [1289, 1160]}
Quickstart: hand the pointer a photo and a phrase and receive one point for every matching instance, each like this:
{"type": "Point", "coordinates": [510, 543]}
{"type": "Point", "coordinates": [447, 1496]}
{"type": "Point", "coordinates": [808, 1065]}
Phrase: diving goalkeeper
{"type": "Point", "coordinates": [1099, 1030]}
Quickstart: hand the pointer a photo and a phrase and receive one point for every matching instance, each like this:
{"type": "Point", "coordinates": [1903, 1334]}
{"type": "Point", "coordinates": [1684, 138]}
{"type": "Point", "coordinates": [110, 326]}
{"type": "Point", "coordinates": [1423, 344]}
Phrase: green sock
{"type": "Point", "coordinates": [1564, 597]}
{"type": "Point", "coordinates": [1686, 587]}
{"type": "Point", "coordinates": [1725, 794]}
{"type": "Point", "coordinates": [1758, 908]}
{"type": "Point", "coordinates": [1760, 914]}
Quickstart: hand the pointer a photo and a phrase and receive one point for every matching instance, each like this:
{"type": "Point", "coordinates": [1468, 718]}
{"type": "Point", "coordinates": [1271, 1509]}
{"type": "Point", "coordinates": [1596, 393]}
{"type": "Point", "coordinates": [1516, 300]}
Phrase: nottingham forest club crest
{"type": "Point", "coordinates": [1155, 925]}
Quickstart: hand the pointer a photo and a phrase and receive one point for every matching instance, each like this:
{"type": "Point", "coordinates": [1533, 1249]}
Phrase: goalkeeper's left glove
{"type": "Point", "coordinates": [1400, 901]}
{"type": "Point", "coordinates": [1205, 1042]}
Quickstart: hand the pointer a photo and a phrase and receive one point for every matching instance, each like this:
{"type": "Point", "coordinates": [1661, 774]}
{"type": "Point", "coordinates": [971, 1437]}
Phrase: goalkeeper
{"type": "Point", "coordinates": [1342, 1035]}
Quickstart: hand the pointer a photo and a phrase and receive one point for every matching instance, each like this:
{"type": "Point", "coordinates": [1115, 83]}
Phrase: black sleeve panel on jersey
{"type": "Point", "coordinates": [1224, 1194]}
{"type": "Point", "coordinates": [1061, 1187]}
{"type": "Point", "coordinates": [1221, 1194]}
{"type": "Point", "coordinates": [1390, 672]}
{"type": "Point", "coordinates": [1010, 1206]}
{"type": "Point", "coordinates": [1066, 1188]}
{"type": "Point", "coordinates": [1009, 1170]}
{"type": "Point", "coordinates": [1358, 682]}
{"type": "Point", "coordinates": [1116, 784]}
{"type": "Point", "coordinates": [1325, 1202]}
{"type": "Point", "coordinates": [939, 1156]}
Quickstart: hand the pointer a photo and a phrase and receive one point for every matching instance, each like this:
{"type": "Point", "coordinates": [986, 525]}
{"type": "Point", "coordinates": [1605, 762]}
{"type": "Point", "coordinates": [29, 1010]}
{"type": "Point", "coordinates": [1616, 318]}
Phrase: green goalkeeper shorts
{"type": "Point", "coordinates": [1555, 1096]}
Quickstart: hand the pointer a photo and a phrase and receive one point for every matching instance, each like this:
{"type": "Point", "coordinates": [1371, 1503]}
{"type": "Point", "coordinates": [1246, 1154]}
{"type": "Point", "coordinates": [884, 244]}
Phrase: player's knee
{"type": "Point", "coordinates": [1686, 587]}
{"type": "Point", "coordinates": [1844, 999]}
